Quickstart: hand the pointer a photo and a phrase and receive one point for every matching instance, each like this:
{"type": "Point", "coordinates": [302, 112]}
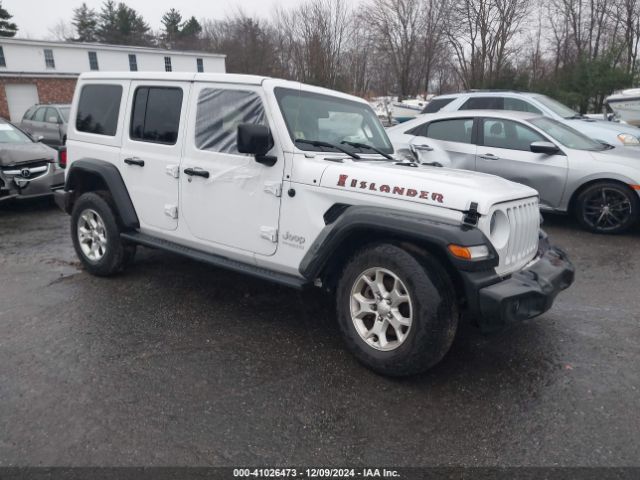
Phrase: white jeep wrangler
{"type": "Point", "coordinates": [298, 185]}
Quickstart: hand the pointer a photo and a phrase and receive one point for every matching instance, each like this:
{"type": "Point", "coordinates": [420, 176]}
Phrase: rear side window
{"type": "Point", "coordinates": [98, 109]}
{"type": "Point", "coordinates": [454, 130]}
{"type": "Point", "coordinates": [156, 115]}
{"type": "Point", "coordinates": [219, 114]}
{"type": "Point", "coordinates": [51, 116]}
{"type": "Point", "coordinates": [483, 103]}
{"type": "Point", "coordinates": [437, 104]}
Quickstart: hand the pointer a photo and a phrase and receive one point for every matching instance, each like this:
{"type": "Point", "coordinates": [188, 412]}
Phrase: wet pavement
{"type": "Point", "coordinates": [177, 363]}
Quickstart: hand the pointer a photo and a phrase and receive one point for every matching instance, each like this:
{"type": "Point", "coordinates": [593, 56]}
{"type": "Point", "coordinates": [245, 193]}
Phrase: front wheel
{"type": "Point", "coordinates": [607, 207]}
{"type": "Point", "coordinates": [397, 310]}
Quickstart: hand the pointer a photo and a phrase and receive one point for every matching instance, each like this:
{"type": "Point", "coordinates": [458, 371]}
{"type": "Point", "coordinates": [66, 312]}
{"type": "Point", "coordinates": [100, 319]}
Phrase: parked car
{"type": "Point", "coordinates": [614, 133]}
{"type": "Point", "coordinates": [596, 182]}
{"type": "Point", "coordinates": [297, 184]}
{"type": "Point", "coordinates": [47, 123]}
{"type": "Point", "coordinates": [27, 168]}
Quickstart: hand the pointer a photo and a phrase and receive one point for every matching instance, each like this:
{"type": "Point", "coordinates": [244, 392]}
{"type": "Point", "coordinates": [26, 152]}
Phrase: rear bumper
{"type": "Point", "coordinates": [525, 294]}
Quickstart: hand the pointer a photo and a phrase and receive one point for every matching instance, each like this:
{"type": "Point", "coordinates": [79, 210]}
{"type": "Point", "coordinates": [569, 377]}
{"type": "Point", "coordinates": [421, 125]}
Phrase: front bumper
{"type": "Point", "coordinates": [525, 294]}
{"type": "Point", "coordinates": [22, 188]}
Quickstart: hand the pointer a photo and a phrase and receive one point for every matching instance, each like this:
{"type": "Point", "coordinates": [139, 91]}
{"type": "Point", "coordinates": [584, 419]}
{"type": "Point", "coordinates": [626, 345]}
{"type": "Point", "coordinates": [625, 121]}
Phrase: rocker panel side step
{"type": "Point", "coordinates": [215, 260]}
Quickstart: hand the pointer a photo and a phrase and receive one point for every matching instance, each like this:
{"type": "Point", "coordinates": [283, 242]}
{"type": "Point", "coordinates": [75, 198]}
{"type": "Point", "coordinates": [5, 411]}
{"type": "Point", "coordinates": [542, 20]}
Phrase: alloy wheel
{"type": "Point", "coordinates": [92, 235]}
{"type": "Point", "coordinates": [607, 209]}
{"type": "Point", "coordinates": [381, 309]}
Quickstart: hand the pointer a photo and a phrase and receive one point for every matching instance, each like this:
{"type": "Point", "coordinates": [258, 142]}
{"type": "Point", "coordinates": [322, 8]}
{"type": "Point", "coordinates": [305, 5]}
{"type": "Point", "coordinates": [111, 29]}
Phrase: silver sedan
{"type": "Point", "coordinates": [596, 182]}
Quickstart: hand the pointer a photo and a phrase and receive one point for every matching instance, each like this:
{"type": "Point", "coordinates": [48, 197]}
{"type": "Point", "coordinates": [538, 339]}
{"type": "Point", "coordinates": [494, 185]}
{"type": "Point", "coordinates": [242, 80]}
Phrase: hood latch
{"type": "Point", "coordinates": [471, 216]}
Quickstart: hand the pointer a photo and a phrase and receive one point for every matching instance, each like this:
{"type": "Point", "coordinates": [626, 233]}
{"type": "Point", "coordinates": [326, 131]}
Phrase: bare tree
{"type": "Point", "coordinates": [481, 34]}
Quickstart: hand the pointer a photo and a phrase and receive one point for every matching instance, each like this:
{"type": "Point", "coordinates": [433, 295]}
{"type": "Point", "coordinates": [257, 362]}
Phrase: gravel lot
{"type": "Point", "coordinates": [177, 363]}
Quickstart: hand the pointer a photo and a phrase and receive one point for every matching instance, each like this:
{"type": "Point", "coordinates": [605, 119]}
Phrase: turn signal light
{"type": "Point", "coordinates": [477, 252]}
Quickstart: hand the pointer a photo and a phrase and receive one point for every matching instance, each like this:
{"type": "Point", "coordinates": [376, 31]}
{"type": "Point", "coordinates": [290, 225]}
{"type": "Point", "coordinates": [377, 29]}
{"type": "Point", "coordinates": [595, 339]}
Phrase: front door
{"type": "Point", "coordinates": [505, 150]}
{"type": "Point", "coordinates": [226, 197]}
{"type": "Point", "coordinates": [51, 127]}
{"type": "Point", "coordinates": [151, 149]}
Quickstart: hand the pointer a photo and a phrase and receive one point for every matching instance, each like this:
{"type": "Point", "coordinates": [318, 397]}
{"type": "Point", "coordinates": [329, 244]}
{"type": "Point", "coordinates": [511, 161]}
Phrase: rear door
{"type": "Point", "coordinates": [448, 142]}
{"type": "Point", "coordinates": [151, 150]}
{"type": "Point", "coordinates": [504, 149]}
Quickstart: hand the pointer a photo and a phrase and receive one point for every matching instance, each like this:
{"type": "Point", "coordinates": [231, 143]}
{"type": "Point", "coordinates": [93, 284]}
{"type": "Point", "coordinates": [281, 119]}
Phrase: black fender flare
{"type": "Point", "coordinates": [110, 175]}
{"type": "Point", "coordinates": [396, 225]}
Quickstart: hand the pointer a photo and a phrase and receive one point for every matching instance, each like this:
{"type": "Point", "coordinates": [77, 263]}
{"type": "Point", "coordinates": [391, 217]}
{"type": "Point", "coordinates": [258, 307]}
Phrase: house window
{"type": "Point", "coordinates": [48, 58]}
{"type": "Point", "coordinates": [3, 63]}
{"type": "Point", "coordinates": [93, 61]}
{"type": "Point", "coordinates": [167, 64]}
{"type": "Point", "coordinates": [200, 65]}
{"type": "Point", "coordinates": [133, 63]}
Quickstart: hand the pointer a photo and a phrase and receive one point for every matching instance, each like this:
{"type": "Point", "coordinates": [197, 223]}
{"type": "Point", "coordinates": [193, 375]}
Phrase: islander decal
{"type": "Point", "coordinates": [406, 192]}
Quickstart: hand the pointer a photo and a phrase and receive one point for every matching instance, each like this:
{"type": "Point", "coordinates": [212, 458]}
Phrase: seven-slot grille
{"type": "Point", "coordinates": [524, 224]}
{"type": "Point", "coordinates": [524, 221]}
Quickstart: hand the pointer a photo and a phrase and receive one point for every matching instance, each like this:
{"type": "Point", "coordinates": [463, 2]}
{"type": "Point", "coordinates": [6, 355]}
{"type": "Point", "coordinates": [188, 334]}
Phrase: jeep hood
{"type": "Point", "coordinates": [16, 153]}
{"type": "Point", "coordinates": [443, 187]}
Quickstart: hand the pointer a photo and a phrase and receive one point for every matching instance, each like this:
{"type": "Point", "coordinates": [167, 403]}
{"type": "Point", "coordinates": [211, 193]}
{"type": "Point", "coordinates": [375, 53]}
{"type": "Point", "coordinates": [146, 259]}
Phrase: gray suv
{"type": "Point", "coordinates": [47, 123]}
{"type": "Point", "coordinates": [616, 134]}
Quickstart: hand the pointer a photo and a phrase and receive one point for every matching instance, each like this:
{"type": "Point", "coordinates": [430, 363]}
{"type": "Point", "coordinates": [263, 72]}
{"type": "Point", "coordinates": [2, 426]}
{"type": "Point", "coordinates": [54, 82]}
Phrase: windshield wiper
{"type": "Point", "coordinates": [320, 143]}
{"type": "Point", "coordinates": [577, 116]}
{"type": "Point", "coordinates": [370, 147]}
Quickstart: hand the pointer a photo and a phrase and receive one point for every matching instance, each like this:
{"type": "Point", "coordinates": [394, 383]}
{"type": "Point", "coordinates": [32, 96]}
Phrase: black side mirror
{"type": "Point", "coordinates": [256, 140]}
{"type": "Point", "coordinates": [547, 148]}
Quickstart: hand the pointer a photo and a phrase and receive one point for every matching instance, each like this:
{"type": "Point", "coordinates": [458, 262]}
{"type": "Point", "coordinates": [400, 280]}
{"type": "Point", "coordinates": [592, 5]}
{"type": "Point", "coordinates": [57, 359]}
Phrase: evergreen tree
{"type": "Point", "coordinates": [107, 30]}
{"type": "Point", "coordinates": [85, 21]}
{"type": "Point", "coordinates": [7, 28]}
{"type": "Point", "coordinates": [171, 21]}
{"type": "Point", "coordinates": [122, 25]}
{"type": "Point", "coordinates": [190, 33]}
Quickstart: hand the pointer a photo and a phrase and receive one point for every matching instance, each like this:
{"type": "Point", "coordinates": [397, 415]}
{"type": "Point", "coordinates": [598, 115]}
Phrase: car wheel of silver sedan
{"type": "Point", "coordinates": [607, 207]}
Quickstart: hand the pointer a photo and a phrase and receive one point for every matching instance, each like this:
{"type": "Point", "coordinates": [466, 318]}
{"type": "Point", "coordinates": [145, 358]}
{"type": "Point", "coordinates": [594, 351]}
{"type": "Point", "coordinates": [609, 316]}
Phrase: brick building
{"type": "Point", "coordinates": [35, 71]}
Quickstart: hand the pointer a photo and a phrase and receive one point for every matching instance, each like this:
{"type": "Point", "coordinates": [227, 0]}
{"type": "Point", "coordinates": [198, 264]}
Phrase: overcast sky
{"type": "Point", "coordinates": [36, 17]}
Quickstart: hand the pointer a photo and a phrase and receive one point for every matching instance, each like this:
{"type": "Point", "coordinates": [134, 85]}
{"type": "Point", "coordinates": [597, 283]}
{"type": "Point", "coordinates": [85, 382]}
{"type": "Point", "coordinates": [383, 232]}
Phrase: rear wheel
{"type": "Point", "coordinates": [397, 311]}
{"type": "Point", "coordinates": [607, 207]}
{"type": "Point", "coordinates": [96, 236]}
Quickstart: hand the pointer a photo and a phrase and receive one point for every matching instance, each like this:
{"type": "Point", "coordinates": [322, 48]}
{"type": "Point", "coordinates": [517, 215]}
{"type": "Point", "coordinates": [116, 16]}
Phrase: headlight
{"type": "Point", "coordinates": [499, 229]}
{"type": "Point", "coordinates": [628, 139]}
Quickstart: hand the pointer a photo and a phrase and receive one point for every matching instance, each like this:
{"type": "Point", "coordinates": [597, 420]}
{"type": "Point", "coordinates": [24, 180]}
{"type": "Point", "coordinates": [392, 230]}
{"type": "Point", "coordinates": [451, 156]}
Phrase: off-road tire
{"type": "Point", "coordinates": [588, 198]}
{"type": "Point", "coordinates": [116, 254]}
{"type": "Point", "coordinates": [435, 310]}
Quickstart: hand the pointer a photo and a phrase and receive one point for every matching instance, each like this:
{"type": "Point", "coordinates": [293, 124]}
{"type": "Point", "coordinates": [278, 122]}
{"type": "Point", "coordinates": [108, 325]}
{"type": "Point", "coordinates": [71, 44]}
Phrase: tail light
{"type": "Point", "coordinates": [62, 157]}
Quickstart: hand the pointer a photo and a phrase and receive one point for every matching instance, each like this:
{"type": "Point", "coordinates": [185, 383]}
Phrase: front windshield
{"type": "Point", "coordinates": [65, 113]}
{"type": "Point", "coordinates": [567, 136]}
{"type": "Point", "coordinates": [556, 107]}
{"type": "Point", "coordinates": [316, 117]}
{"type": "Point", "coordinates": [10, 134]}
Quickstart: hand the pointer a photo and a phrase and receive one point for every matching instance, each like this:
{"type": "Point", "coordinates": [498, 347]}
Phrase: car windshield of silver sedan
{"type": "Point", "coordinates": [319, 122]}
{"type": "Point", "coordinates": [557, 107]}
{"type": "Point", "coordinates": [10, 134]}
{"type": "Point", "coordinates": [567, 136]}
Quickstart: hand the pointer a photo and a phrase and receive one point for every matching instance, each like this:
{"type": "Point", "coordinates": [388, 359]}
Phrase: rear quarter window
{"type": "Point", "coordinates": [98, 109]}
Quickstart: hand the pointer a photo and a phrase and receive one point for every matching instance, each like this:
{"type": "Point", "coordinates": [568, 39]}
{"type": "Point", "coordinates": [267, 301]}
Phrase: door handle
{"type": "Point", "coordinates": [134, 161]}
{"type": "Point", "coordinates": [198, 172]}
{"type": "Point", "coordinates": [424, 148]}
{"type": "Point", "coordinates": [489, 156]}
